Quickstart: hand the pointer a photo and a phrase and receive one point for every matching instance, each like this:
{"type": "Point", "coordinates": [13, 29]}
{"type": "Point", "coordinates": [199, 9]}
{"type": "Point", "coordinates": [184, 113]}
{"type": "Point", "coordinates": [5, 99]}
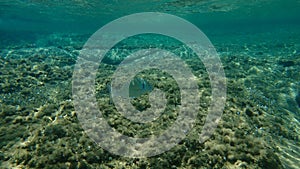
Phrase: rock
{"type": "Point", "coordinates": [2, 157]}
{"type": "Point", "coordinates": [297, 99]}
{"type": "Point", "coordinates": [270, 160]}
{"type": "Point", "coordinates": [55, 131]}
{"type": "Point", "coordinates": [286, 63]}
{"type": "Point", "coordinates": [249, 112]}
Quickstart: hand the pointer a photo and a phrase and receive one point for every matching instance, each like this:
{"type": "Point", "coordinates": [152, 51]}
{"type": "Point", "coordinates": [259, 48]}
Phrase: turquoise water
{"type": "Point", "coordinates": [258, 43]}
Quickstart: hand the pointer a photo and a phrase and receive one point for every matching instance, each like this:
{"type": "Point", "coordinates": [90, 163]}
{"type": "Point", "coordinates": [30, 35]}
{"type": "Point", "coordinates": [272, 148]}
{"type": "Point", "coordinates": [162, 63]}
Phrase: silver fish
{"type": "Point", "coordinates": [137, 87]}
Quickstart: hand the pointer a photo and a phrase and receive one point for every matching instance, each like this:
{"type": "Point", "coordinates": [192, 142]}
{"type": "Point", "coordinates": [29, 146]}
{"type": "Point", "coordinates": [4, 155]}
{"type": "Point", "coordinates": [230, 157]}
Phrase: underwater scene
{"type": "Point", "coordinates": [150, 84]}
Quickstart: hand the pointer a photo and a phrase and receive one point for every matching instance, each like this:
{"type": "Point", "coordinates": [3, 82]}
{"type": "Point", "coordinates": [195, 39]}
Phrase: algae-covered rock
{"type": "Point", "coordinates": [40, 128]}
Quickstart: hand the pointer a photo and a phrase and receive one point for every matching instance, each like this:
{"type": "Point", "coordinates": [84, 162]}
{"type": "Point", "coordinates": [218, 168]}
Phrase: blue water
{"type": "Point", "coordinates": [258, 42]}
{"type": "Point", "coordinates": [25, 19]}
